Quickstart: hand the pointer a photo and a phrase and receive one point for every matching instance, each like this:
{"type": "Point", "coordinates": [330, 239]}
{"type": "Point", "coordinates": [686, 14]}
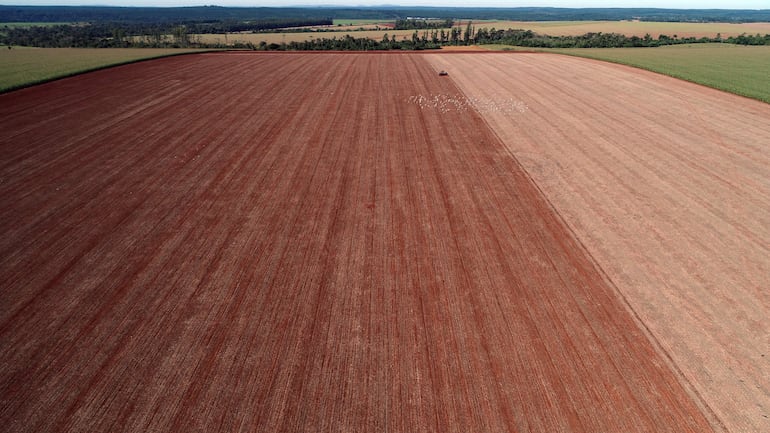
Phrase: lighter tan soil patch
{"type": "Point", "coordinates": [667, 184]}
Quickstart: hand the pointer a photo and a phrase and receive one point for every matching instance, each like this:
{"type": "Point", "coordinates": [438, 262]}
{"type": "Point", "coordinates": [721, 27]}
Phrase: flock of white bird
{"type": "Point", "coordinates": [460, 103]}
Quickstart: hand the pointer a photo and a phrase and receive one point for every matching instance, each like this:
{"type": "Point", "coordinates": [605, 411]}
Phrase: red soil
{"type": "Point", "coordinates": [285, 243]}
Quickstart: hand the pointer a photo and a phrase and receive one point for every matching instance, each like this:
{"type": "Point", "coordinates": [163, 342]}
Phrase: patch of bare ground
{"type": "Point", "coordinates": [283, 242]}
{"type": "Point", "coordinates": [667, 185]}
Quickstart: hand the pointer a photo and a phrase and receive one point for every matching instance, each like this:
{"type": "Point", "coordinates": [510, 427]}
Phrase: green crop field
{"type": "Point", "coordinates": [356, 22]}
{"type": "Point", "coordinates": [734, 68]}
{"type": "Point", "coordinates": [24, 66]}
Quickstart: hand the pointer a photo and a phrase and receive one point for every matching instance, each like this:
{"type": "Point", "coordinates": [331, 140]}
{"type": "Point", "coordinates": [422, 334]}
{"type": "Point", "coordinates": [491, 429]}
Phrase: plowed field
{"type": "Point", "coordinates": [299, 242]}
{"type": "Point", "coordinates": [667, 184]}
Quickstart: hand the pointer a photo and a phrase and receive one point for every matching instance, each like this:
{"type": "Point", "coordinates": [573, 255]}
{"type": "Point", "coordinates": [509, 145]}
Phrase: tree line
{"type": "Point", "coordinates": [528, 38]}
{"type": "Point", "coordinates": [214, 13]}
{"type": "Point", "coordinates": [124, 35]}
{"type": "Point", "coordinates": [349, 43]}
{"type": "Point", "coordinates": [436, 38]}
{"type": "Point", "coordinates": [418, 24]}
{"type": "Point", "coordinates": [176, 36]}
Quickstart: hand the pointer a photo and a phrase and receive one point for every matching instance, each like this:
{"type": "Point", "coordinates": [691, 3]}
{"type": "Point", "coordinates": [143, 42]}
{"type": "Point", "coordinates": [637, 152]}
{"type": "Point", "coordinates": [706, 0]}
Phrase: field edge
{"type": "Point", "coordinates": [56, 77]}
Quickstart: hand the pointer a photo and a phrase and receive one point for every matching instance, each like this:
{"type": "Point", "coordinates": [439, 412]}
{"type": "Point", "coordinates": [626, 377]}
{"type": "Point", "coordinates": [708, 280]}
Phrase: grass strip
{"type": "Point", "coordinates": [24, 67]}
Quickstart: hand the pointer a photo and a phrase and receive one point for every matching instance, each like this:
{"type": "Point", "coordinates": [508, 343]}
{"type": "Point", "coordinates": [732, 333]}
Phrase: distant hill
{"type": "Point", "coordinates": [215, 13]}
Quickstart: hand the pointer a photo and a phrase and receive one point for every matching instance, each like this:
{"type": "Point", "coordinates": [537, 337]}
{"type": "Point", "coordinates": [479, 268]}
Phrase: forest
{"type": "Point", "coordinates": [91, 14]}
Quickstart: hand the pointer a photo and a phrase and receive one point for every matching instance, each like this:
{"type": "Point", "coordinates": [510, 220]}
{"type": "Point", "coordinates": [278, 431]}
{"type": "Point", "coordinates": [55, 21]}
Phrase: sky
{"type": "Point", "coordinates": [670, 4]}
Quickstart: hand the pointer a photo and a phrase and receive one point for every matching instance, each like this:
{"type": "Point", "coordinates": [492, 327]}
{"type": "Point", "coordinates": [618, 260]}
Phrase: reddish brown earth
{"type": "Point", "coordinates": [667, 185]}
{"type": "Point", "coordinates": [292, 243]}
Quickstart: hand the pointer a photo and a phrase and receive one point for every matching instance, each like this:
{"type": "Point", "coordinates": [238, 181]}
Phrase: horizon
{"type": "Point", "coordinates": [446, 4]}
